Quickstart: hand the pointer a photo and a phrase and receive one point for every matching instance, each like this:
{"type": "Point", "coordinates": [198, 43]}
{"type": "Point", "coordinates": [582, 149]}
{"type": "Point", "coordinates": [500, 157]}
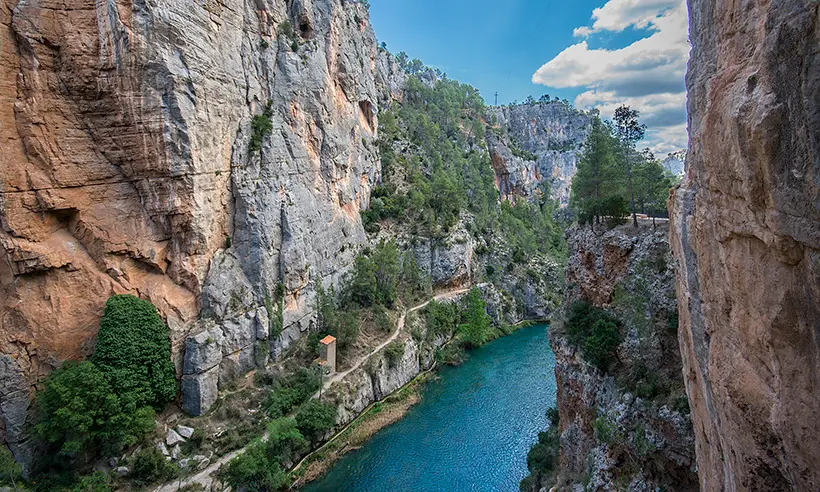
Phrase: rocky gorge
{"type": "Point", "coordinates": [231, 162]}
{"type": "Point", "coordinates": [623, 425]}
{"type": "Point", "coordinates": [214, 161]}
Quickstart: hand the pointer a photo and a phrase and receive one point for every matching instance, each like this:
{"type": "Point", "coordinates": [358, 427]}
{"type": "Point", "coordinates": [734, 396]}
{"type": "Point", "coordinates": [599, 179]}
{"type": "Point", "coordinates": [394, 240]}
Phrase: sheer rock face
{"type": "Point", "coordinates": [629, 272]}
{"type": "Point", "coordinates": [126, 166]}
{"type": "Point", "coordinates": [552, 131]}
{"type": "Point", "coordinates": [746, 236]}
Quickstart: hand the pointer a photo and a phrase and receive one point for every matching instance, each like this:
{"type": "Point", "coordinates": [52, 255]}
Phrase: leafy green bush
{"type": "Point", "coordinates": [10, 470]}
{"type": "Point", "coordinates": [96, 482]}
{"type": "Point", "coordinates": [150, 466]}
{"type": "Point", "coordinates": [599, 348]}
{"type": "Point", "coordinates": [261, 127]}
{"type": "Point", "coordinates": [315, 418]}
{"type": "Point", "coordinates": [595, 331]}
{"type": "Point", "coordinates": [582, 316]}
{"type": "Point", "coordinates": [79, 412]}
{"type": "Point", "coordinates": [292, 390]}
{"type": "Point", "coordinates": [134, 352]}
{"type": "Point", "coordinates": [285, 442]}
{"type": "Point", "coordinates": [376, 276]}
{"type": "Point", "coordinates": [442, 319]}
{"type": "Point", "coordinates": [553, 416]}
{"type": "Point", "coordinates": [394, 352]}
{"type": "Point", "coordinates": [476, 329]}
{"type": "Point", "coordinates": [254, 472]}
{"type": "Point", "coordinates": [542, 461]}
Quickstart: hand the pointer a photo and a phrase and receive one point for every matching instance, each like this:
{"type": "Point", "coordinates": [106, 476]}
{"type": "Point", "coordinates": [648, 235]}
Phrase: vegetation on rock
{"type": "Point", "coordinates": [315, 418]}
{"type": "Point", "coordinates": [134, 352]}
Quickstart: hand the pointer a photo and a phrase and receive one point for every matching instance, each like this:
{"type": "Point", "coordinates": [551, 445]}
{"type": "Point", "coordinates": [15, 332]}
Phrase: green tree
{"type": "Point", "coordinates": [600, 347]}
{"type": "Point", "coordinates": [315, 418]}
{"type": "Point", "coordinates": [254, 472]}
{"type": "Point", "coordinates": [10, 470]}
{"type": "Point", "coordinates": [79, 412]}
{"type": "Point", "coordinates": [150, 466]}
{"type": "Point", "coordinates": [475, 331]}
{"type": "Point", "coordinates": [363, 284]}
{"type": "Point", "coordinates": [386, 270]}
{"type": "Point", "coordinates": [96, 482]}
{"type": "Point", "coordinates": [285, 442]}
{"type": "Point", "coordinates": [629, 131]}
{"type": "Point", "coordinates": [652, 185]}
{"type": "Point", "coordinates": [598, 177]}
{"type": "Point", "coordinates": [134, 352]}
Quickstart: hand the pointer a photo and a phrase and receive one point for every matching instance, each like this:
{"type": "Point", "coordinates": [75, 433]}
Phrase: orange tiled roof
{"type": "Point", "coordinates": [327, 340]}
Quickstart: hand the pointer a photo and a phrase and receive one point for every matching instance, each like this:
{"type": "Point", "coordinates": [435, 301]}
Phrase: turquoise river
{"type": "Point", "coordinates": [470, 432]}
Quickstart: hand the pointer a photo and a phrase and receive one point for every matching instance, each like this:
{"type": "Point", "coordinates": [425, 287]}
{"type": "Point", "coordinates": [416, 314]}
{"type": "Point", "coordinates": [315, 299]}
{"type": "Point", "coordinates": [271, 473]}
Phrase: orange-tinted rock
{"type": "Point", "coordinates": [746, 236]}
{"type": "Point", "coordinates": [126, 166]}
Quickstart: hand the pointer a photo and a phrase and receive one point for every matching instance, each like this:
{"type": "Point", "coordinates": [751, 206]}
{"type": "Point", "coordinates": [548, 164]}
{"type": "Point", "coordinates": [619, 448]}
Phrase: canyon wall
{"type": "Point", "coordinates": [535, 148]}
{"type": "Point", "coordinates": [130, 164]}
{"type": "Point", "coordinates": [625, 425]}
{"type": "Point", "coordinates": [746, 237]}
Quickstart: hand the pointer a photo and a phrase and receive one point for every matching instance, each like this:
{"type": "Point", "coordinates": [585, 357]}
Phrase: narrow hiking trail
{"type": "Point", "coordinates": [204, 477]}
{"type": "Point", "coordinates": [399, 327]}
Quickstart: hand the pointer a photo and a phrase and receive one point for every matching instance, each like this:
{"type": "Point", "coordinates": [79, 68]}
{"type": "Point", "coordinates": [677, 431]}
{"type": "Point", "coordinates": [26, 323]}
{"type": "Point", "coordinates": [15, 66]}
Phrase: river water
{"type": "Point", "coordinates": [470, 432]}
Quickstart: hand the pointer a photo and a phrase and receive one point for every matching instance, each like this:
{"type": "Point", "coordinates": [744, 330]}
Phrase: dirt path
{"type": "Point", "coordinates": [204, 477]}
{"type": "Point", "coordinates": [399, 327]}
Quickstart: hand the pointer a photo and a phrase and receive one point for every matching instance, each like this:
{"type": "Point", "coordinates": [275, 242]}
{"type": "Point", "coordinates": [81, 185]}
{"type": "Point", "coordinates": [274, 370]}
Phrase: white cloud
{"type": "Point", "coordinates": [648, 74]}
{"type": "Point", "coordinates": [617, 15]}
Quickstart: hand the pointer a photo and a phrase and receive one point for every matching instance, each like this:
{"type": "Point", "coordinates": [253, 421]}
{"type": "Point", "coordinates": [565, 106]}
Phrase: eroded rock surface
{"type": "Point", "coordinates": [551, 132]}
{"type": "Point", "coordinates": [626, 427]}
{"type": "Point", "coordinates": [746, 236]}
{"type": "Point", "coordinates": [126, 131]}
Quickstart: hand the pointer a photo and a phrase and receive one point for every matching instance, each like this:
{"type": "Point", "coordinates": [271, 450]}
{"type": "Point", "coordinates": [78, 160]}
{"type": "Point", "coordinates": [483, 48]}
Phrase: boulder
{"type": "Point", "coordinates": [185, 431]}
{"type": "Point", "coordinates": [172, 439]}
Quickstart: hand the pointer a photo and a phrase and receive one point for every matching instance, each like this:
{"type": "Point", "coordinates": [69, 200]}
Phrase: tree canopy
{"type": "Point", "coordinates": [613, 178]}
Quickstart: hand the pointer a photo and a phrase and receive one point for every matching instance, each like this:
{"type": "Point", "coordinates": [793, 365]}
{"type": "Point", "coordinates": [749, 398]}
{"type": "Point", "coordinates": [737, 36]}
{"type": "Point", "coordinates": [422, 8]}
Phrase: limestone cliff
{"type": "Point", "coordinates": [624, 426]}
{"type": "Point", "coordinates": [535, 147]}
{"type": "Point", "coordinates": [127, 167]}
{"type": "Point", "coordinates": [746, 237]}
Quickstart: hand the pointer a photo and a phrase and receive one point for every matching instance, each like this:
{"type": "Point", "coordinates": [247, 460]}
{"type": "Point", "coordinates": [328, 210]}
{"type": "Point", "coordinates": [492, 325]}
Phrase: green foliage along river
{"type": "Point", "coordinates": [471, 431]}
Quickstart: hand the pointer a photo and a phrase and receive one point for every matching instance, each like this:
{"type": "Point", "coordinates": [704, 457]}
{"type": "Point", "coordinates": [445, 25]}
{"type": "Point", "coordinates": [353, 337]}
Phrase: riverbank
{"type": "Point", "coordinates": [376, 417]}
{"type": "Point", "coordinates": [473, 425]}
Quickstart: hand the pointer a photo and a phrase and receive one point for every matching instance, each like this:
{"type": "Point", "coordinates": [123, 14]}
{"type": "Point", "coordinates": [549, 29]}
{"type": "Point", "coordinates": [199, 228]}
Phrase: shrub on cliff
{"type": "Point", "coordinates": [541, 461]}
{"type": "Point", "coordinates": [394, 352]}
{"type": "Point", "coordinates": [292, 390]}
{"type": "Point", "coordinates": [81, 414]}
{"type": "Point", "coordinates": [254, 472]}
{"type": "Point", "coordinates": [150, 466]}
{"type": "Point", "coordinates": [134, 352]}
{"type": "Point", "coordinates": [599, 348]}
{"type": "Point", "coordinates": [285, 442]}
{"type": "Point", "coordinates": [315, 418]}
{"type": "Point", "coordinates": [10, 470]}
{"type": "Point", "coordinates": [442, 319]}
{"type": "Point", "coordinates": [582, 317]}
{"type": "Point", "coordinates": [476, 329]}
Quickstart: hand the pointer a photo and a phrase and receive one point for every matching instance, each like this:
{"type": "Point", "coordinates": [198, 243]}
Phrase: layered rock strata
{"type": "Point", "coordinates": [746, 237]}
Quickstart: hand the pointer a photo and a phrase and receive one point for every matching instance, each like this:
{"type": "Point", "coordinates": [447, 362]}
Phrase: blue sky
{"type": "Point", "coordinates": [595, 53]}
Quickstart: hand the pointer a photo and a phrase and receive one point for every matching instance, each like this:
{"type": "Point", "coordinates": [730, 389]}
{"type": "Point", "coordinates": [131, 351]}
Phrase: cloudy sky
{"type": "Point", "coordinates": [647, 74]}
{"type": "Point", "coordinates": [594, 53]}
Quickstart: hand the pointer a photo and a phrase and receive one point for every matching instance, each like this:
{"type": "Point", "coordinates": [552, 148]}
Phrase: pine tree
{"type": "Point", "coordinates": [629, 131]}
